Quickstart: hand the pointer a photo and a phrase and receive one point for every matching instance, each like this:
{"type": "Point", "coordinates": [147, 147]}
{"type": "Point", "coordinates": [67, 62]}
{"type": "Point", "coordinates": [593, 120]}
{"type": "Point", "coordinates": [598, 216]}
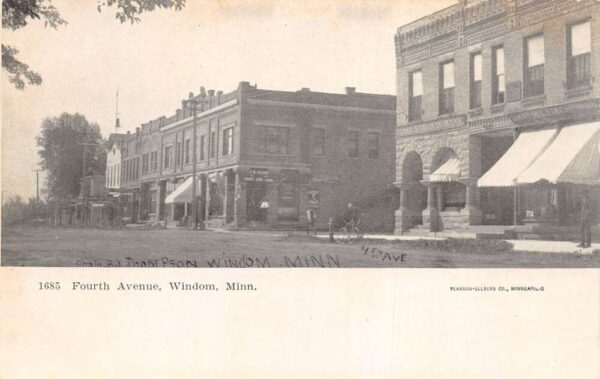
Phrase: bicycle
{"type": "Point", "coordinates": [349, 232]}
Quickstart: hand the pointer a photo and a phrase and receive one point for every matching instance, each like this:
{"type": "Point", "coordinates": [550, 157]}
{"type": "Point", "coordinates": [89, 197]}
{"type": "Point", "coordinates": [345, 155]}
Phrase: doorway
{"type": "Point", "coordinates": [256, 194]}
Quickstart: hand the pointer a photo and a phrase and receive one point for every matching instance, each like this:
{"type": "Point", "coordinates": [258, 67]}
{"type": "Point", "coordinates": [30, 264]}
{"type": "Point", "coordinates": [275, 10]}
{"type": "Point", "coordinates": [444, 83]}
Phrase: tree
{"type": "Point", "coordinates": [62, 150]}
{"type": "Point", "coordinates": [17, 13]}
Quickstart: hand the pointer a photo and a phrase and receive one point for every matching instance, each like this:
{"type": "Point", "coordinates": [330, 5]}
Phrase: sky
{"type": "Point", "coordinates": [284, 45]}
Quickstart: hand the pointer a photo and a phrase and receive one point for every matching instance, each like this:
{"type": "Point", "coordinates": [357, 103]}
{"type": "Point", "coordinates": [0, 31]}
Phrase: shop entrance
{"type": "Point", "coordinates": [256, 200]}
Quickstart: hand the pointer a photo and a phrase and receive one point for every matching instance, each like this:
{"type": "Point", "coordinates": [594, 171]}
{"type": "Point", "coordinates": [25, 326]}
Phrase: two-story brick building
{"type": "Point", "coordinates": [498, 109]}
{"type": "Point", "coordinates": [264, 157]}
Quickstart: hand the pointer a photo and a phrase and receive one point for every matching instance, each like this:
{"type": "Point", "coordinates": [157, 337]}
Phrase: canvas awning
{"type": "Point", "coordinates": [572, 157]}
{"type": "Point", "coordinates": [522, 153]}
{"type": "Point", "coordinates": [182, 194]}
{"type": "Point", "coordinates": [448, 172]}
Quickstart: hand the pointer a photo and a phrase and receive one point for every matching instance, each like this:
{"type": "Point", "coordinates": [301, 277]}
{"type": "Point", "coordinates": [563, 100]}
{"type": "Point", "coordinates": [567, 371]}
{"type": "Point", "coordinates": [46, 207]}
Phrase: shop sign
{"type": "Point", "coordinates": [314, 198]}
{"type": "Point", "coordinates": [258, 175]}
{"type": "Point", "coordinates": [325, 179]}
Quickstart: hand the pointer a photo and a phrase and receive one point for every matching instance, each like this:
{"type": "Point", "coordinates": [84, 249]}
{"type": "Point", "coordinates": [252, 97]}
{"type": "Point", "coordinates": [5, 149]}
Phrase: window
{"type": "Point", "coordinates": [187, 151]}
{"type": "Point", "coordinates": [373, 141]}
{"type": "Point", "coordinates": [498, 83]}
{"type": "Point", "coordinates": [213, 144]}
{"type": "Point", "coordinates": [534, 66]}
{"type": "Point", "coordinates": [167, 157]}
{"type": "Point", "coordinates": [145, 163]}
{"type": "Point", "coordinates": [154, 160]}
{"type": "Point", "coordinates": [273, 139]}
{"type": "Point", "coordinates": [179, 154]}
{"type": "Point", "coordinates": [475, 78]}
{"type": "Point", "coordinates": [228, 141]}
{"type": "Point", "coordinates": [202, 143]}
{"type": "Point", "coordinates": [415, 93]}
{"type": "Point", "coordinates": [579, 46]}
{"type": "Point", "coordinates": [353, 144]}
{"type": "Point", "coordinates": [447, 87]}
{"type": "Point", "coordinates": [318, 142]}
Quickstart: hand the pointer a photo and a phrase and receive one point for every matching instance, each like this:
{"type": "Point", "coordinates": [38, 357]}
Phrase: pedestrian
{"type": "Point", "coordinates": [585, 218]}
{"type": "Point", "coordinates": [311, 215]}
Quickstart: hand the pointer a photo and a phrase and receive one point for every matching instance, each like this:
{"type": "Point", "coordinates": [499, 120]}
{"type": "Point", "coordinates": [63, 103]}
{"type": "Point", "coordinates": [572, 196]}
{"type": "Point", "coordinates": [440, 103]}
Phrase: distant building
{"type": "Point", "coordinates": [263, 158]}
{"type": "Point", "coordinates": [498, 109]}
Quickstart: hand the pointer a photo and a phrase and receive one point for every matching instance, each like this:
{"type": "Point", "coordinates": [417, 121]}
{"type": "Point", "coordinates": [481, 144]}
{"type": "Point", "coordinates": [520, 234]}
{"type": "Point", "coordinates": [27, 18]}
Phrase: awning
{"type": "Point", "coordinates": [448, 172]}
{"type": "Point", "coordinates": [572, 157]}
{"type": "Point", "coordinates": [526, 148]}
{"type": "Point", "coordinates": [182, 194]}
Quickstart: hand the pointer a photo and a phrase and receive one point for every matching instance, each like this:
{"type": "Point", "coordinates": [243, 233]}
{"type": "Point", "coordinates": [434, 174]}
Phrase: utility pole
{"type": "Point", "coordinates": [37, 194]}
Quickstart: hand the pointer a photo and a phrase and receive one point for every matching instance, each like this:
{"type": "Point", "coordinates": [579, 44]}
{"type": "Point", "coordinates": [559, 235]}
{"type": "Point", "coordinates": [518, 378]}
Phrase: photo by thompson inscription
{"type": "Point", "coordinates": [392, 134]}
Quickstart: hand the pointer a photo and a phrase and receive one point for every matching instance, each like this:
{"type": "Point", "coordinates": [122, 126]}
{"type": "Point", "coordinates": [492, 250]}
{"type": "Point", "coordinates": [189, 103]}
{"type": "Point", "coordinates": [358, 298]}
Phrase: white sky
{"type": "Point", "coordinates": [324, 45]}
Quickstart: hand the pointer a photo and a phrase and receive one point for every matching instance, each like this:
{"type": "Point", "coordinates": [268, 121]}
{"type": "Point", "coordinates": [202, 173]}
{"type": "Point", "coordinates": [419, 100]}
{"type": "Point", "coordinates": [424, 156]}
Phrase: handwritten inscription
{"type": "Point", "coordinates": [378, 254]}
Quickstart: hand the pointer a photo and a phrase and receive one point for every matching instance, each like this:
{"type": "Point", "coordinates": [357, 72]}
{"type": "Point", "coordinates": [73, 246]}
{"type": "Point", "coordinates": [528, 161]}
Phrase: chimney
{"type": "Point", "coordinates": [191, 95]}
{"type": "Point", "coordinates": [350, 90]}
{"type": "Point", "coordinates": [211, 95]}
{"type": "Point", "coordinates": [219, 94]}
{"type": "Point", "coordinates": [178, 114]}
{"type": "Point", "coordinates": [305, 89]}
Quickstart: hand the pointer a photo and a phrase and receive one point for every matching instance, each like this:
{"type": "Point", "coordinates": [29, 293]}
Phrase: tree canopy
{"type": "Point", "coordinates": [62, 147]}
{"type": "Point", "coordinates": [17, 14]}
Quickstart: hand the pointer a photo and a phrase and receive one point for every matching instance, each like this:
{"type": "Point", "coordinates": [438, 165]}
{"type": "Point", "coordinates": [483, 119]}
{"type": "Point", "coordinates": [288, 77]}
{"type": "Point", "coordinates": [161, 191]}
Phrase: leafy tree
{"type": "Point", "coordinates": [17, 13]}
{"type": "Point", "coordinates": [62, 150]}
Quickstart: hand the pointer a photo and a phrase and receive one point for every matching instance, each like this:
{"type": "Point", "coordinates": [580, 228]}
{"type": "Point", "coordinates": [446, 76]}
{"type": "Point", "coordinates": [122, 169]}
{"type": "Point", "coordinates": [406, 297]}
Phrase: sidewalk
{"type": "Point", "coordinates": [518, 245]}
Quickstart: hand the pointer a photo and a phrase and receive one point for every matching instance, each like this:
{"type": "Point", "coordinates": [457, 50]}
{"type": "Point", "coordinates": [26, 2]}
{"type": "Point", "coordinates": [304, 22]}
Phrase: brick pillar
{"type": "Point", "coordinates": [272, 198]}
{"type": "Point", "coordinates": [240, 201]}
{"type": "Point", "coordinates": [158, 196]}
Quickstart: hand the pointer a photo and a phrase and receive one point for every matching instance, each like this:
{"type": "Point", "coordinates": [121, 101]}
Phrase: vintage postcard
{"type": "Point", "coordinates": [202, 189]}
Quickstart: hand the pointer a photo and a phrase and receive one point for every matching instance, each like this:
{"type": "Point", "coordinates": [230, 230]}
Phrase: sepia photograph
{"type": "Point", "coordinates": [453, 135]}
{"type": "Point", "coordinates": [420, 177]}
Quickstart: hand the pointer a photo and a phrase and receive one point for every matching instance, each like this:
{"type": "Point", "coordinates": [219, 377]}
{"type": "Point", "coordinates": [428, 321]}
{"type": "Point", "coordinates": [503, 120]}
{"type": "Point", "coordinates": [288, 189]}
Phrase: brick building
{"type": "Point", "coordinates": [263, 158]}
{"type": "Point", "coordinates": [498, 109]}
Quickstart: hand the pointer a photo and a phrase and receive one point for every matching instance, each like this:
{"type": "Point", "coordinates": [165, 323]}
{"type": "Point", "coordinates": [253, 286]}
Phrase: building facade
{"type": "Point", "coordinates": [263, 158]}
{"type": "Point", "coordinates": [498, 108]}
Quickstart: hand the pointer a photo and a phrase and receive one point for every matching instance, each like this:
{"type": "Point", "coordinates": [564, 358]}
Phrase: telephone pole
{"type": "Point", "coordinates": [37, 194]}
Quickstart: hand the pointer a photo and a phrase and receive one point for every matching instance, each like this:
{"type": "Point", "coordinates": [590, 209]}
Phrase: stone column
{"type": "Point", "coordinates": [431, 214]}
{"type": "Point", "coordinates": [439, 188]}
{"type": "Point", "coordinates": [472, 208]}
{"type": "Point", "coordinates": [403, 214]}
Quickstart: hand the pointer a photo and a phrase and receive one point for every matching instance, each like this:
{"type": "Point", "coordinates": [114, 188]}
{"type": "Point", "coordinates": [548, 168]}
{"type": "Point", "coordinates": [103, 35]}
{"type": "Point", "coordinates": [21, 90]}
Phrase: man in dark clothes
{"type": "Point", "coordinates": [586, 212]}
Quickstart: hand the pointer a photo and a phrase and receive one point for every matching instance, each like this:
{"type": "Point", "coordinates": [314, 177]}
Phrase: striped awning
{"type": "Point", "coordinates": [572, 157]}
{"type": "Point", "coordinates": [521, 154]}
{"type": "Point", "coordinates": [182, 194]}
{"type": "Point", "coordinates": [448, 172]}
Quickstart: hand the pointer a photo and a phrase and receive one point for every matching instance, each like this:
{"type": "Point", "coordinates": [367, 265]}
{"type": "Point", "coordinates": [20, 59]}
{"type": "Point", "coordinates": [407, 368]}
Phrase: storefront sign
{"type": "Point", "coordinates": [314, 198]}
{"type": "Point", "coordinates": [258, 175]}
{"type": "Point", "coordinates": [325, 179]}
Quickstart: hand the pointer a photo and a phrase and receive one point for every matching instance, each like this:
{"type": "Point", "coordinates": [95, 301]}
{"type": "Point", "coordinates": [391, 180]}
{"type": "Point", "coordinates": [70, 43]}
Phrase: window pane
{"type": "Point", "coordinates": [581, 39]}
{"type": "Point", "coordinates": [501, 85]}
{"type": "Point", "coordinates": [535, 51]}
{"type": "Point", "coordinates": [417, 83]}
{"type": "Point", "coordinates": [499, 61]}
{"type": "Point", "coordinates": [448, 75]}
{"type": "Point", "coordinates": [477, 67]}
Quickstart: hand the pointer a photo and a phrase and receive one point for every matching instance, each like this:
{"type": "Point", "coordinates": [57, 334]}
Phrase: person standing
{"type": "Point", "coordinates": [585, 218]}
{"type": "Point", "coordinates": [311, 215]}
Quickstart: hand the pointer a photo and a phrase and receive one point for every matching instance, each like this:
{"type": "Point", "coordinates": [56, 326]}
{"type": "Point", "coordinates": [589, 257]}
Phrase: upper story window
{"type": "Point", "coordinates": [273, 139]}
{"type": "Point", "coordinates": [187, 151]}
{"type": "Point", "coordinates": [213, 144]}
{"type": "Point", "coordinates": [167, 158]}
{"type": "Point", "coordinates": [415, 94]}
{"type": "Point", "coordinates": [318, 142]}
{"type": "Point", "coordinates": [179, 154]}
{"type": "Point", "coordinates": [154, 160]}
{"type": "Point", "coordinates": [373, 144]}
{"type": "Point", "coordinates": [533, 74]}
{"type": "Point", "coordinates": [447, 87]}
{"type": "Point", "coordinates": [498, 83]}
{"type": "Point", "coordinates": [202, 144]}
{"type": "Point", "coordinates": [353, 143]}
{"type": "Point", "coordinates": [579, 47]}
{"type": "Point", "coordinates": [228, 141]}
{"type": "Point", "coordinates": [475, 79]}
{"type": "Point", "coordinates": [145, 163]}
